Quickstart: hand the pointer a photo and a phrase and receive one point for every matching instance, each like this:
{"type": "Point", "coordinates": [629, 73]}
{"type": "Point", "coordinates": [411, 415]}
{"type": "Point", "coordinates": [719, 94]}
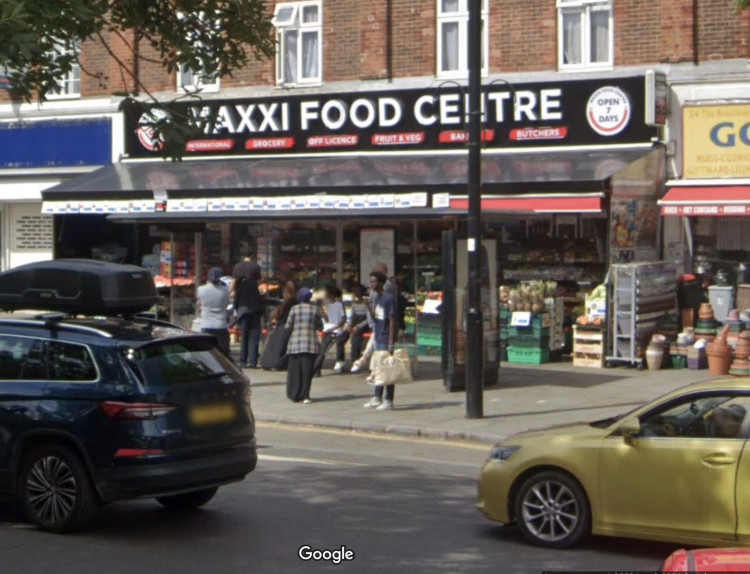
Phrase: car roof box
{"type": "Point", "coordinates": [78, 287]}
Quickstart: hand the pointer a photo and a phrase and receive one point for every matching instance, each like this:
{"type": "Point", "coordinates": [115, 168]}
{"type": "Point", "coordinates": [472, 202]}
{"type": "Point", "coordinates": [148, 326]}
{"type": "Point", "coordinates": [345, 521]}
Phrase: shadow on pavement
{"type": "Point", "coordinates": [513, 377]}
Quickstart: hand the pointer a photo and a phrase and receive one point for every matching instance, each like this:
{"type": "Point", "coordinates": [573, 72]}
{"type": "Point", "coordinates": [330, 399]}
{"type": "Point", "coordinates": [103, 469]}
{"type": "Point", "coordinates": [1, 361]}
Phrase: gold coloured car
{"type": "Point", "coordinates": [674, 470]}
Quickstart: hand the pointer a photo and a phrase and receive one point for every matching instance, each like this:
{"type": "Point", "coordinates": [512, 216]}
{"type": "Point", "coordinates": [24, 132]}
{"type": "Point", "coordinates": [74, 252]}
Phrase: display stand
{"type": "Point", "coordinates": [640, 295]}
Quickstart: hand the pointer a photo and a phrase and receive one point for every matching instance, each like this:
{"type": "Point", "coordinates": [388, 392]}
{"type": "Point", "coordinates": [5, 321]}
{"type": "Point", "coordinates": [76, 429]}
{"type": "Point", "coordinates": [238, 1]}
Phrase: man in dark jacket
{"type": "Point", "coordinates": [248, 304]}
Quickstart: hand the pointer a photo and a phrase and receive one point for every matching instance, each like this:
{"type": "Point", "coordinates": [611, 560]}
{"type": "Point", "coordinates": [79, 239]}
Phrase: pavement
{"type": "Point", "coordinates": [526, 397]}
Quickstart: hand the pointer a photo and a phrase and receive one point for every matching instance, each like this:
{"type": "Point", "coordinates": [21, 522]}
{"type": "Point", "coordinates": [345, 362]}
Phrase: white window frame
{"type": "Point", "coordinates": [69, 86]}
{"type": "Point", "coordinates": [288, 16]}
{"type": "Point", "coordinates": [584, 9]}
{"type": "Point", "coordinates": [203, 83]}
{"type": "Point", "coordinates": [461, 17]}
{"type": "Point", "coordinates": [199, 81]}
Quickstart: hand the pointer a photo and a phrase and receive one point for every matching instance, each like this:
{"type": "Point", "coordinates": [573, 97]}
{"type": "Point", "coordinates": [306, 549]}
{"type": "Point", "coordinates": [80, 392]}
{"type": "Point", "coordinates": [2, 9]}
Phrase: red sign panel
{"type": "Point", "coordinates": [333, 141]}
{"type": "Point", "coordinates": [256, 144]}
{"type": "Point", "coordinates": [210, 145]}
{"type": "Point", "coordinates": [462, 136]}
{"type": "Point", "coordinates": [398, 139]}
{"type": "Point", "coordinates": [531, 134]}
{"type": "Point", "coordinates": [706, 210]}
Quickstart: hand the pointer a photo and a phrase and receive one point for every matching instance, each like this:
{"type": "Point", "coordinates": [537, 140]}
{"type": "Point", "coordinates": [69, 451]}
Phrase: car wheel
{"type": "Point", "coordinates": [55, 489]}
{"type": "Point", "coordinates": [552, 510]}
{"type": "Point", "coordinates": [187, 500]}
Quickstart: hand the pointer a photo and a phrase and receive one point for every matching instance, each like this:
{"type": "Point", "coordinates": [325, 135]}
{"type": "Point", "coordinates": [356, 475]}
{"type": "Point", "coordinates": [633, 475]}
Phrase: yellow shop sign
{"type": "Point", "coordinates": [716, 141]}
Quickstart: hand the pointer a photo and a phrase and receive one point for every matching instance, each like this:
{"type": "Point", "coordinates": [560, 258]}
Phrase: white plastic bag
{"type": "Point", "coordinates": [391, 369]}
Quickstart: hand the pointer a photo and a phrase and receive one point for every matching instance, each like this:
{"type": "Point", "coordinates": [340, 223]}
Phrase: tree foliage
{"type": "Point", "coordinates": [217, 37]}
{"type": "Point", "coordinates": [743, 3]}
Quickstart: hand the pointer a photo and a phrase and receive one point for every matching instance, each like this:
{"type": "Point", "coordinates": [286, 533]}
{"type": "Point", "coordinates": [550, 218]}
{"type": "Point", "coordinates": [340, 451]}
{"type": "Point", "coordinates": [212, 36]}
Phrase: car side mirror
{"type": "Point", "coordinates": [631, 429]}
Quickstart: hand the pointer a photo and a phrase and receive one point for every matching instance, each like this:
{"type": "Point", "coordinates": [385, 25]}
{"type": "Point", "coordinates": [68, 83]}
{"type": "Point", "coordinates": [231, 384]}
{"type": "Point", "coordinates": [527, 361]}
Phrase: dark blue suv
{"type": "Point", "coordinates": [94, 410]}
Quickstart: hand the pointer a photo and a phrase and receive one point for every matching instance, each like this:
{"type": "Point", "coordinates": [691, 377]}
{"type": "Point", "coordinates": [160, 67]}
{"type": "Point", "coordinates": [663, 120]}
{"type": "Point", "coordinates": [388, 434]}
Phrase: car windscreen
{"type": "Point", "coordinates": [181, 361]}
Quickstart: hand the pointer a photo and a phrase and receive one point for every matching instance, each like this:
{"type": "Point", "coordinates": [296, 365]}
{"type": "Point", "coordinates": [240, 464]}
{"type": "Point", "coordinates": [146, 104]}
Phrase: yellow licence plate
{"type": "Point", "coordinates": [212, 414]}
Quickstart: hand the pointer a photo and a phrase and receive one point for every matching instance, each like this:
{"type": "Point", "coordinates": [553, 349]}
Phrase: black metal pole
{"type": "Point", "coordinates": [474, 332]}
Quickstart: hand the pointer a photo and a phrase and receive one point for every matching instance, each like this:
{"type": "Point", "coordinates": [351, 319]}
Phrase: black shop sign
{"type": "Point", "coordinates": [590, 112]}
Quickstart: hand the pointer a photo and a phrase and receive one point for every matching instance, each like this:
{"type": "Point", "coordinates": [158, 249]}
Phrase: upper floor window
{"type": "Point", "coordinates": [204, 77]}
{"type": "Point", "coordinates": [191, 81]}
{"type": "Point", "coordinates": [300, 44]}
{"type": "Point", "coordinates": [68, 86]}
{"type": "Point", "coordinates": [452, 38]}
{"type": "Point", "coordinates": [585, 36]}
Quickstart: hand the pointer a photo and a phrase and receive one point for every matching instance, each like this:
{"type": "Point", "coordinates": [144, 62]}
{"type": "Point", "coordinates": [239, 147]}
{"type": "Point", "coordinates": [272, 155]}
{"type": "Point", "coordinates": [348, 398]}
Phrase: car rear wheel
{"type": "Point", "coordinates": [552, 510]}
{"type": "Point", "coordinates": [55, 490]}
{"type": "Point", "coordinates": [187, 500]}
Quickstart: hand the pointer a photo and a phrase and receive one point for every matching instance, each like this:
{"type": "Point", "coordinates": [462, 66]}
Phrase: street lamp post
{"type": "Point", "coordinates": [474, 331]}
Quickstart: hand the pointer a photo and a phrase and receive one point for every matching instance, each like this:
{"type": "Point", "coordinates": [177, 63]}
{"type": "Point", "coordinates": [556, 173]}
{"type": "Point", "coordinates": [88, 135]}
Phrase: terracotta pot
{"type": "Point", "coordinates": [742, 348]}
{"type": "Point", "coordinates": [706, 312]}
{"type": "Point", "coordinates": [719, 359]}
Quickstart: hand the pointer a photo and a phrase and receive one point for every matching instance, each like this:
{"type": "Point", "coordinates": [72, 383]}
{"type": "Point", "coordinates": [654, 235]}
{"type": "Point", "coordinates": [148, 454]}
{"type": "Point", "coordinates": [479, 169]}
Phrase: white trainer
{"type": "Point", "coordinates": [338, 368]}
{"type": "Point", "coordinates": [356, 368]}
{"type": "Point", "coordinates": [386, 406]}
{"type": "Point", "coordinates": [373, 403]}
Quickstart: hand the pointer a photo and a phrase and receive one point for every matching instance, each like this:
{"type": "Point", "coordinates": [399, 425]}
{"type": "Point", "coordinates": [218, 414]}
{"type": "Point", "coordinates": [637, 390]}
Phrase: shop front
{"type": "Point", "coordinates": [322, 186]}
{"type": "Point", "coordinates": [712, 201]}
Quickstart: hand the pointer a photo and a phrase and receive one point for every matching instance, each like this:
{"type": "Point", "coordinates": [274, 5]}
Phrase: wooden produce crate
{"type": "Point", "coordinates": [588, 348]}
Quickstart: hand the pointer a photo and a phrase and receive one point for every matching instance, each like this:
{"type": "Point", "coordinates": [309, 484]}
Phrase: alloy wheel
{"type": "Point", "coordinates": [52, 489]}
{"type": "Point", "coordinates": [550, 511]}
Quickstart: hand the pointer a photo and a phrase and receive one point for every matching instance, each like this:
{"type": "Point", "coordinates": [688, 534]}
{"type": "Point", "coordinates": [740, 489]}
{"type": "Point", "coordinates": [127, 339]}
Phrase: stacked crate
{"type": "Point", "coordinates": [429, 334]}
{"type": "Point", "coordinates": [556, 310]}
{"type": "Point", "coordinates": [588, 347]}
{"type": "Point", "coordinates": [530, 344]}
{"type": "Point", "coordinates": [504, 324]}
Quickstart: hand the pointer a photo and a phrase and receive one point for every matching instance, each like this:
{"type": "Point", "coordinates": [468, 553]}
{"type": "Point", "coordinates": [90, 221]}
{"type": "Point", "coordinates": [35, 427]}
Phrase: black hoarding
{"type": "Point", "coordinates": [565, 113]}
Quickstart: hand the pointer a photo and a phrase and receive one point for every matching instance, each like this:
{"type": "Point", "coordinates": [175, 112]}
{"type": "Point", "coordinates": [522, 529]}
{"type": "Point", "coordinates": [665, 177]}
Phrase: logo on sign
{"type": "Point", "coordinates": [608, 111]}
{"type": "Point", "coordinates": [146, 132]}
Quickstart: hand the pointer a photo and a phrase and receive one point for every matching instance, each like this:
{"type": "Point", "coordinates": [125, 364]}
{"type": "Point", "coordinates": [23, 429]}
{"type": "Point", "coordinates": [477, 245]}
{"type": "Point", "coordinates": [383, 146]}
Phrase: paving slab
{"type": "Point", "coordinates": [526, 397]}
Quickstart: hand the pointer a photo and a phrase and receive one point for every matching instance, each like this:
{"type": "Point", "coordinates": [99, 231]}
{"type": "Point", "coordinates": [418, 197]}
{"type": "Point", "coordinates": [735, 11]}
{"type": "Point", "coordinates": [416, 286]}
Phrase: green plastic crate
{"type": "Point", "coordinates": [528, 356]}
{"type": "Point", "coordinates": [529, 342]}
{"type": "Point", "coordinates": [429, 351]}
{"type": "Point", "coordinates": [430, 330]}
{"type": "Point", "coordinates": [533, 331]}
{"type": "Point", "coordinates": [429, 340]}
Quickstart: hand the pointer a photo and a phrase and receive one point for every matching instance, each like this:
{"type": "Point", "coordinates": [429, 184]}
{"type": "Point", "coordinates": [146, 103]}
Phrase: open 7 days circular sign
{"type": "Point", "coordinates": [608, 111]}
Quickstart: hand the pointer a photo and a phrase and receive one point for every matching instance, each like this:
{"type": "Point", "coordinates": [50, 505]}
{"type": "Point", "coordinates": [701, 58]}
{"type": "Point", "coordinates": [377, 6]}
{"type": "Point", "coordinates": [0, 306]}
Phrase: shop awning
{"type": "Point", "coordinates": [130, 187]}
{"type": "Point", "coordinates": [711, 201]}
{"type": "Point", "coordinates": [584, 203]}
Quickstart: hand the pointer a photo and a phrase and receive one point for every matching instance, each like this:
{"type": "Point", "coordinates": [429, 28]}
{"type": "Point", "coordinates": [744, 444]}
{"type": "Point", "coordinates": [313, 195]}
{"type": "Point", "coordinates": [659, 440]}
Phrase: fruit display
{"type": "Point", "coordinates": [528, 296]}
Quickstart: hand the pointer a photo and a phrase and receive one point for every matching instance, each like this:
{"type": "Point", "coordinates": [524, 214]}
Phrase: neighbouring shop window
{"type": "Point", "coordinates": [452, 41]}
{"type": "Point", "coordinates": [299, 34]}
{"type": "Point", "coordinates": [721, 245]}
{"type": "Point", "coordinates": [585, 35]}
{"type": "Point", "coordinates": [69, 85]}
{"type": "Point", "coordinates": [203, 77]}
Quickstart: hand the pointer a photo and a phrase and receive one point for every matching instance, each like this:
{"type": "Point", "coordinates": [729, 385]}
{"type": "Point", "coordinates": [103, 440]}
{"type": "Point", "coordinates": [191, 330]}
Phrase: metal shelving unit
{"type": "Point", "coordinates": [640, 295]}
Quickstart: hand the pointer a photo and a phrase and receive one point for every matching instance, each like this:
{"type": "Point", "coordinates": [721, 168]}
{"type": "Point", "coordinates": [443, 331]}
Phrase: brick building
{"type": "Point", "coordinates": [310, 119]}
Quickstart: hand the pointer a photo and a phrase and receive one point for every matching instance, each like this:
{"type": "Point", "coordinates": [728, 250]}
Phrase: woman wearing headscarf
{"type": "Point", "coordinates": [213, 299]}
{"type": "Point", "coordinates": [303, 324]}
{"type": "Point", "coordinates": [274, 351]}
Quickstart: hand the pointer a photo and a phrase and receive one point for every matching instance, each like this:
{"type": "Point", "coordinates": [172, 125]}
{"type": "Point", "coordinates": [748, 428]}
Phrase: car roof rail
{"type": "Point", "coordinates": [55, 321]}
{"type": "Point", "coordinates": [152, 321]}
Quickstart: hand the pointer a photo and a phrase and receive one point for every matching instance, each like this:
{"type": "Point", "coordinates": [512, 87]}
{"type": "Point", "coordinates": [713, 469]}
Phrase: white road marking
{"type": "Point", "coordinates": [308, 460]}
